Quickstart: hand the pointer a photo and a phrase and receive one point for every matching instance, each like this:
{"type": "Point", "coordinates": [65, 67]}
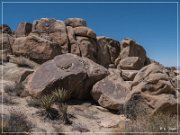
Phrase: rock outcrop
{"type": "Point", "coordinates": [23, 29]}
{"type": "Point", "coordinates": [67, 71]}
{"type": "Point", "coordinates": [68, 54]}
{"type": "Point", "coordinates": [152, 92]}
{"type": "Point", "coordinates": [111, 91]}
{"type": "Point", "coordinates": [36, 48]}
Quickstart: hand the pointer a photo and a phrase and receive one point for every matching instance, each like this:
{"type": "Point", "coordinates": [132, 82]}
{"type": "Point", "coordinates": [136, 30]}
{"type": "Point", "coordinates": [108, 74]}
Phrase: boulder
{"type": "Point", "coordinates": [130, 48]}
{"type": "Point", "coordinates": [53, 30]}
{"type": "Point", "coordinates": [74, 46]}
{"type": "Point", "coordinates": [108, 50]}
{"type": "Point", "coordinates": [111, 91]}
{"type": "Point", "coordinates": [84, 32]}
{"type": "Point", "coordinates": [131, 63]}
{"type": "Point", "coordinates": [128, 75]}
{"type": "Point", "coordinates": [67, 71]}
{"type": "Point", "coordinates": [6, 42]}
{"type": "Point", "coordinates": [82, 46]}
{"type": "Point", "coordinates": [88, 47]}
{"type": "Point", "coordinates": [23, 29]}
{"type": "Point", "coordinates": [75, 22]}
{"type": "Point", "coordinates": [151, 92]}
{"type": "Point", "coordinates": [36, 48]}
{"type": "Point", "coordinates": [5, 29]}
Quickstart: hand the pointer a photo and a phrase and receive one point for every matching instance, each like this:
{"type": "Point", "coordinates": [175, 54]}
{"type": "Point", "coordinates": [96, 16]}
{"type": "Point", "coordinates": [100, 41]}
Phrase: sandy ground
{"type": "Point", "coordinates": [87, 117]}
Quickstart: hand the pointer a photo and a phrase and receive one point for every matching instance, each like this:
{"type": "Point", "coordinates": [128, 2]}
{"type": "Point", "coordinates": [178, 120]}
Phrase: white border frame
{"type": "Point", "coordinates": [177, 3]}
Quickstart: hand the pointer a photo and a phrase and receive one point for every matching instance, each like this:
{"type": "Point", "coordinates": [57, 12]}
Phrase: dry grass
{"type": "Point", "coordinates": [157, 123]}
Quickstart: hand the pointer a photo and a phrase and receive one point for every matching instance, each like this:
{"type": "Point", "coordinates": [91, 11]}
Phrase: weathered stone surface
{"type": "Point", "coordinates": [151, 92]}
{"type": "Point", "coordinates": [36, 48]}
{"type": "Point", "coordinates": [131, 63]}
{"type": "Point", "coordinates": [84, 32]}
{"type": "Point", "coordinates": [74, 46]}
{"type": "Point", "coordinates": [130, 48]}
{"type": "Point", "coordinates": [82, 46]}
{"type": "Point", "coordinates": [128, 75]}
{"type": "Point", "coordinates": [88, 47]}
{"type": "Point", "coordinates": [53, 30]}
{"type": "Point", "coordinates": [5, 29]}
{"type": "Point", "coordinates": [108, 50]}
{"type": "Point", "coordinates": [75, 22]}
{"type": "Point", "coordinates": [23, 29]}
{"type": "Point", "coordinates": [6, 42]}
{"type": "Point", "coordinates": [67, 71]}
{"type": "Point", "coordinates": [12, 72]}
{"type": "Point", "coordinates": [111, 91]}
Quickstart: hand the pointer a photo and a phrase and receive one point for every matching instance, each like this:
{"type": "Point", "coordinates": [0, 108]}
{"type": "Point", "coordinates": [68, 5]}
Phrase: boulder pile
{"type": "Point", "coordinates": [117, 75]}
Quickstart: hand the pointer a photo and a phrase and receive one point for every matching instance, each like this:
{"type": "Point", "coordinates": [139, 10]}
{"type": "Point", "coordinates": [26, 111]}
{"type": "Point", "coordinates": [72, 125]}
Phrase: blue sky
{"type": "Point", "coordinates": [154, 26]}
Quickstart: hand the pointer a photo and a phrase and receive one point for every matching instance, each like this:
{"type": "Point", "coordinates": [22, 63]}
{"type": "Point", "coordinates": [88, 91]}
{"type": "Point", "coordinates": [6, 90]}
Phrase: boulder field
{"type": "Point", "coordinates": [118, 75]}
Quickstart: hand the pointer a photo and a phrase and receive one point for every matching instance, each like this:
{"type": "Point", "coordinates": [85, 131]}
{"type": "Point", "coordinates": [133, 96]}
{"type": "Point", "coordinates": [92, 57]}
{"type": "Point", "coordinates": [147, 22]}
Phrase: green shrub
{"type": "Point", "coordinates": [61, 95]}
{"type": "Point", "coordinates": [46, 102]}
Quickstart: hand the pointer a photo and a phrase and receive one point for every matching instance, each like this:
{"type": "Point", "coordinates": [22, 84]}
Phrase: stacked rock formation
{"type": "Point", "coordinates": [118, 75]}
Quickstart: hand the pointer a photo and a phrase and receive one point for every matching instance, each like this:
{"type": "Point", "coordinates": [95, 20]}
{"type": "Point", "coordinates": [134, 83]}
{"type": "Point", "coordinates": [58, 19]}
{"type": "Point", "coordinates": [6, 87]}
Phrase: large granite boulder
{"type": "Point", "coordinates": [53, 30]}
{"type": "Point", "coordinates": [152, 92]}
{"type": "Point", "coordinates": [108, 50]}
{"type": "Point", "coordinates": [130, 48]}
{"type": "Point", "coordinates": [131, 63]}
{"type": "Point", "coordinates": [23, 29]}
{"type": "Point", "coordinates": [75, 22]}
{"type": "Point", "coordinates": [132, 56]}
{"type": "Point", "coordinates": [82, 42]}
{"type": "Point", "coordinates": [111, 91]}
{"type": "Point", "coordinates": [84, 32]}
{"type": "Point", "coordinates": [67, 71]}
{"type": "Point", "coordinates": [36, 48]}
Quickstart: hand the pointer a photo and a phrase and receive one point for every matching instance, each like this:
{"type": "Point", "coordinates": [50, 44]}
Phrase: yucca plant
{"type": "Point", "coordinates": [47, 101]}
{"type": "Point", "coordinates": [61, 95]}
{"type": "Point", "coordinates": [63, 108]}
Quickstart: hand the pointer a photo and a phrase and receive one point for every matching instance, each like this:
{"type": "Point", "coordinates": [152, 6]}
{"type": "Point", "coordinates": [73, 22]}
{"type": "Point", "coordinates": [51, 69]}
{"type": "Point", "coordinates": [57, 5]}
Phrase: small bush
{"type": "Point", "coordinates": [46, 102]}
{"type": "Point", "coordinates": [61, 95]}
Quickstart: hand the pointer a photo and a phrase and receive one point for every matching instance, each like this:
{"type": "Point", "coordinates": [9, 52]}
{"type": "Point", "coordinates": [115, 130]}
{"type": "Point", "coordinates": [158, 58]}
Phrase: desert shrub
{"type": "Point", "coordinates": [47, 101]}
{"type": "Point", "coordinates": [157, 123]}
{"type": "Point", "coordinates": [63, 108]}
{"type": "Point", "coordinates": [48, 112]}
{"type": "Point", "coordinates": [15, 122]}
{"type": "Point", "coordinates": [61, 95]}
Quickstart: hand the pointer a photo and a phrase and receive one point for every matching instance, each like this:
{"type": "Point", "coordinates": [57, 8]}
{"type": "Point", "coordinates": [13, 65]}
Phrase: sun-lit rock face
{"type": "Point", "coordinates": [118, 75]}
